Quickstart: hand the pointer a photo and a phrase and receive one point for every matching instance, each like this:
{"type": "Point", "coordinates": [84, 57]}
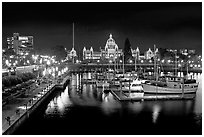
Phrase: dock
{"type": "Point", "coordinates": [121, 96]}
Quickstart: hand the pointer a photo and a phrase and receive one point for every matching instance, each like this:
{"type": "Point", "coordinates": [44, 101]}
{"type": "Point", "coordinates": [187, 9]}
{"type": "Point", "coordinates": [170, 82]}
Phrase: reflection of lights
{"type": "Point", "coordinates": [155, 113]}
{"type": "Point", "coordinates": [7, 62]}
{"type": "Point", "coordinates": [169, 61]}
{"type": "Point", "coordinates": [48, 62]}
{"type": "Point", "coordinates": [49, 71]}
{"type": "Point", "coordinates": [23, 107]}
{"type": "Point", "coordinates": [44, 72]}
{"type": "Point", "coordinates": [59, 73]}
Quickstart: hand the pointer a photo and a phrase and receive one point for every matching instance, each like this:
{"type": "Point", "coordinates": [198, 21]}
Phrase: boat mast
{"type": "Point", "coordinates": [135, 63]}
{"type": "Point", "coordinates": [123, 65]}
{"type": "Point", "coordinates": [73, 41]}
{"type": "Point", "coordinates": [155, 67]}
{"type": "Point", "coordinates": [175, 63]}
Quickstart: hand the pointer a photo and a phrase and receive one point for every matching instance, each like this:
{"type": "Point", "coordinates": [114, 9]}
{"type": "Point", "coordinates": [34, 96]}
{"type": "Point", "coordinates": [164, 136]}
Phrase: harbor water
{"type": "Point", "coordinates": [84, 109]}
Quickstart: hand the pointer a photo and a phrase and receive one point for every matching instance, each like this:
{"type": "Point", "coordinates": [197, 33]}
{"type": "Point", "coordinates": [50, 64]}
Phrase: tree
{"type": "Point", "coordinates": [127, 50]}
{"type": "Point", "coordinates": [59, 52]}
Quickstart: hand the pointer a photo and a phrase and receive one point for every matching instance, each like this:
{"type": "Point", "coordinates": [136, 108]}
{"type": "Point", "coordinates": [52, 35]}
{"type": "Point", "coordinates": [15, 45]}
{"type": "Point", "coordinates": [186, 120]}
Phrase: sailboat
{"type": "Point", "coordinates": [170, 84]}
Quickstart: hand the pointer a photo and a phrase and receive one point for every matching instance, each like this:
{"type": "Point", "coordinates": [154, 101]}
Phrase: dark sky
{"type": "Point", "coordinates": [168, 25]}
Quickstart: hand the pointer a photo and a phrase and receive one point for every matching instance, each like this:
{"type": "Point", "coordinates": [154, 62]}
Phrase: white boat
{"type": "Point", "coordinates": [134, 90]}
{"type": "Point", "coordinates": [172, 87]}
{"type": "Point", "coordinates": [101, 84]}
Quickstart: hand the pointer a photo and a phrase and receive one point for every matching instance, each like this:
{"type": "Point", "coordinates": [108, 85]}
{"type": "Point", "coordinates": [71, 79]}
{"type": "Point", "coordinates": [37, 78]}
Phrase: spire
{"type": "Point", "coordinates": [137, 49]}
{"type": "Point", "coordinates": [110, 36]}
{"type": "Point", "coordinates": [84, 49]}
{"type": "Point", "coordinates": [73, 34]}
{"type": "Point", "coordinates": [91, 49]}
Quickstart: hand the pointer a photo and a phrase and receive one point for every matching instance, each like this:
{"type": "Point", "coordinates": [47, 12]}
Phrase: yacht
{"type": "Point", "coordinates": [171, 85]}
{"type": "Point", "coordinates": [135, 89]}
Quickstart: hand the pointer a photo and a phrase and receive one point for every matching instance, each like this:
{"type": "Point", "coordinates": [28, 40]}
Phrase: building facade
{"type": "Point", "coordinates": [71, 54]}
{"type": "Point", "coordinates": [22, 45]}
{"type": "Point", "coordinates": [110, 51]}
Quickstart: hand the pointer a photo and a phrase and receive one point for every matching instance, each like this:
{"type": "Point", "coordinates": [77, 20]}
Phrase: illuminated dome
{"type": "Point", "coordinates": [110, 44]}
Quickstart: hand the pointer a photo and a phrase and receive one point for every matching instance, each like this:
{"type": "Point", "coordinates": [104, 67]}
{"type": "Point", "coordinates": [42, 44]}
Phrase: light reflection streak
{"type": "Point", "coordinates": [155, 113]}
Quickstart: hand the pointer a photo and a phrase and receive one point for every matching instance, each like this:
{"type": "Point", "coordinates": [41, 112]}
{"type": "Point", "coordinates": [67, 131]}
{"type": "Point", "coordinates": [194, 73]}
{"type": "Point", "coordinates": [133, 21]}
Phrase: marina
{"type": "Point", "coordinates": [83, 102]}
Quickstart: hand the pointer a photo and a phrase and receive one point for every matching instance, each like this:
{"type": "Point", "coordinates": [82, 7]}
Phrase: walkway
{"type": "Point", "coordinates": [17, 107]}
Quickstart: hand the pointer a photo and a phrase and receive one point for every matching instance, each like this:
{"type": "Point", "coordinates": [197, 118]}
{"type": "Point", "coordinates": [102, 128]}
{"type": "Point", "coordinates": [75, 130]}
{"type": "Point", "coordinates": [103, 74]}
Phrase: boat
{"type": "Point", "coordinates": [102, 83]}
{"type": "Point", "coordinates": [134, 90]}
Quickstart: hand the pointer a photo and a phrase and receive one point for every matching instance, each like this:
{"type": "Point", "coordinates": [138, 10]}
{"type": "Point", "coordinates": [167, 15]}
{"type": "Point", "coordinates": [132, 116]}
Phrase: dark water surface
{"type": "Point", "coordinates": [88, 111]}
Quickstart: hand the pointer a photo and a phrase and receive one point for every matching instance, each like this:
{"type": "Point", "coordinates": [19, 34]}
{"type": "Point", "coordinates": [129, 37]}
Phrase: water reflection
{"type": "Point", "coordinates": [155, 113]}
{"type": "Point", "coordinates": [88, 95]}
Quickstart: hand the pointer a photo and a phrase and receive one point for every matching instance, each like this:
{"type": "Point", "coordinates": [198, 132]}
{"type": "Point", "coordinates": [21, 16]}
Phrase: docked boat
{"type": "Point", "coordinates": [102, 84]}
{"type": "Point", "coordinates": [134, 90]}
{"type": "Point", "coordinates": [172, 85]}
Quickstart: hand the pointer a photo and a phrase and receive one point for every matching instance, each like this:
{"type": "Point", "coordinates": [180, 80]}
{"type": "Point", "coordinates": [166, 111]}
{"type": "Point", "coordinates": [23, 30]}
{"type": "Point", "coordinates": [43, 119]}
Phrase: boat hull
{"type": "Point", "coordinates": [151, 89]}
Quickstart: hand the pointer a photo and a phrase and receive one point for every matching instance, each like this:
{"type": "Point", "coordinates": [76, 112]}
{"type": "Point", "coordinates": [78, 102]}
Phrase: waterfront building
{"type": "Point", "coordinates": [110, 51]}
{"type": "Point", "coordinates": [136, 53]}
{"type": "Point", "coordinates": [191, 51]}
{"type": "Point", "coordinates": [149, 54]}
{"type": "Point", "coordinates": [184, 51]}
{"type": "Point", "coordinates": [71, 54]}
{"type": "Point", "coordinates": [22, 45]}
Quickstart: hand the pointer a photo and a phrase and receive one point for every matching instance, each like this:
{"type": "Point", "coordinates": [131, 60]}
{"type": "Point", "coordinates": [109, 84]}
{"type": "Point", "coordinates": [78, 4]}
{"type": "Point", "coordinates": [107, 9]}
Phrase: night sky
{"type": "Point", "coordinates": [168, 25]}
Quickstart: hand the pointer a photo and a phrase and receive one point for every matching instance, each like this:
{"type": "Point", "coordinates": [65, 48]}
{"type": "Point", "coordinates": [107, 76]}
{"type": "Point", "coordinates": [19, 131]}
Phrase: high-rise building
{"type": "Point", "coordinates": [22, 45]}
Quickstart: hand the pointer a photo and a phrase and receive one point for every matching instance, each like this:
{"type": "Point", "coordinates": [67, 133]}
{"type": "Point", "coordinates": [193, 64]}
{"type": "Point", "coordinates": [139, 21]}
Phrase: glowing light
{"type": "Point", "coordinates": [7, 62]}
{"type": "Point", "coordinates": [199, 65]}
{"type": "Point", "coordinates": [142, 61]}
{"type": "Point", "coordinates": [169, 61]}
{"type": "Point", "coordinates": [162, 61]}
{"type": "Point", "coordinates": [48, 62]}
{"type": "Point", "coordinates": [49, 71]}
{"type": "Point", "coordinates": [130, 61]}
{"type": "Point", "coordinates": [44, 72]}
